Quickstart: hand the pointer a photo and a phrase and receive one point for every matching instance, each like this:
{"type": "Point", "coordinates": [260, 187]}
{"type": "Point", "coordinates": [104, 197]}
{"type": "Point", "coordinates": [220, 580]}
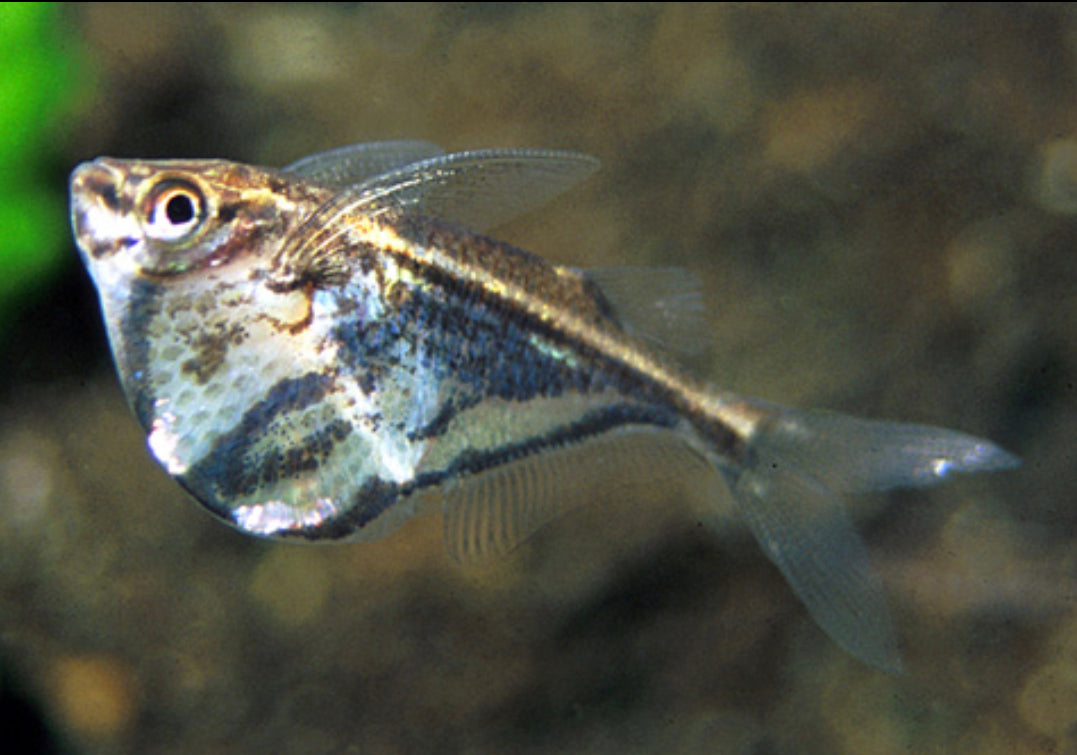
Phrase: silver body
{"type": "Point", "coordinates": [322, 351]}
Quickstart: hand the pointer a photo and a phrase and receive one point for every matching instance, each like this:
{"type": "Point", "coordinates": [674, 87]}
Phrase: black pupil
{"type": "Point", "coordinates": [179, 209]}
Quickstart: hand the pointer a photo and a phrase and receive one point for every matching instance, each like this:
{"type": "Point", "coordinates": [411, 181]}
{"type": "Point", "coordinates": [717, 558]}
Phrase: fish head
{"type": "Point", "coordinates": [170, 218]}
{"type": "Point", "coordinates": [180, 254]}
{"type": "Point", "coordinates": [175, 249]}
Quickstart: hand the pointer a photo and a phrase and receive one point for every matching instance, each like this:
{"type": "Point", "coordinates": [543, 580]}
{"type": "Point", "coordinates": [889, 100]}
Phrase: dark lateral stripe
{"type": "Point", "coordinates": [509, 309]}
{"type": "Point", "coordinates": [419, 231]}
{"type": "Point", "coordinates": [631, 380]}
{"type": "Point", "coordinates": [663, 386]}
{"type": "Point", "coordinates": [377, 495]}
{"type": "Point", "coordinates": [231, 469]}
{"type": "Point", "coordinates": [591, 424]}
{"type": "Point", "coordinates": [458, 341]}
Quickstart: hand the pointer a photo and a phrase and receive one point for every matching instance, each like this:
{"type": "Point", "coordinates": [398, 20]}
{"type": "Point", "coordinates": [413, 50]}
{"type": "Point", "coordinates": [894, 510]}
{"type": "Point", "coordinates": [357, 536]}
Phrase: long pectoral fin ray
{"type": "Point", "coordinates": [493, 511]}
{"type": "Point", "coordinates": [346, 166]}
{"type": "Point", "coordinates": [476, 190]}
{"type": "Point", "coordinates": [479, 189]}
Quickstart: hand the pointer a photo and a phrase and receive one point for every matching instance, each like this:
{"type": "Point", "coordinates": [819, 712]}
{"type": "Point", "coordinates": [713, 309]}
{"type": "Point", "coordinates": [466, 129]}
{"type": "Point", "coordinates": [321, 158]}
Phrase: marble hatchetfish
{"type": "Point", "coordinates": [320, 352]}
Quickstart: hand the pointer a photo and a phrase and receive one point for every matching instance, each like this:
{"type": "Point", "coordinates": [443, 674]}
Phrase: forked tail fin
{"type": "Point", "coordinates": [788, 491]}
{"type": "Point", "coordinates": [787, 484]}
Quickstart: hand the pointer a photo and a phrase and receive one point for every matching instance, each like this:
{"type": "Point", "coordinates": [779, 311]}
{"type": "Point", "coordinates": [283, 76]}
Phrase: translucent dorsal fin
{"type": "Point", "coordinates": [489, 513]}
{"type": "Point", "coordinates": [356, 163]}
{"type": "Point", "coordinates": [663, 305]}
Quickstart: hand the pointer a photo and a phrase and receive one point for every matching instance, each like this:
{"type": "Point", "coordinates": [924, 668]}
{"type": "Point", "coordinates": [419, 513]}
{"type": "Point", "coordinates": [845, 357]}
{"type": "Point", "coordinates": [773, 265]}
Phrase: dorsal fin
{"type": "Point", "coordinates": [662, 305]}
{"type": "Point", "coordinates": [346, 166]}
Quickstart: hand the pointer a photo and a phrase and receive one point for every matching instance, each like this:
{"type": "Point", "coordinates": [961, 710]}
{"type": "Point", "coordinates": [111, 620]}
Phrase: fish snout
{"type": "Point", "coordinates": [102, 215]}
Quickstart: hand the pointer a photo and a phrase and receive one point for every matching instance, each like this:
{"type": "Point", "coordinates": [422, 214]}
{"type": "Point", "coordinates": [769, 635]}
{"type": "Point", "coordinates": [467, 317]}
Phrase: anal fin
{"type": "Point", "coordinates": [493, 511]}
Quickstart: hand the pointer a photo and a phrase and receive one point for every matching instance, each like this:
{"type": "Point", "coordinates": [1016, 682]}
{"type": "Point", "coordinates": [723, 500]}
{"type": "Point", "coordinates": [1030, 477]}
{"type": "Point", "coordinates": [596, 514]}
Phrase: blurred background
{"type": "Point", "coordinates": [881, 202]}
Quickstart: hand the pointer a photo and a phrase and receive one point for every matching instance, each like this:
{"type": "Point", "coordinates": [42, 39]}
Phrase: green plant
{"type": "Point", "coordinates": [38, 76]}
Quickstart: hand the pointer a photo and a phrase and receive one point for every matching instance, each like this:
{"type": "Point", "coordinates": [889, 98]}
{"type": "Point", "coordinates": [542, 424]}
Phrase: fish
{"type": "Point", "coordinates": [320, 352]}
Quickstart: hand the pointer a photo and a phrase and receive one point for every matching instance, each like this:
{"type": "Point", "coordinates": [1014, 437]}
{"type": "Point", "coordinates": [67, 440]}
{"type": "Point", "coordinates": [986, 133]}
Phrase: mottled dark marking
{"type": "Point", "coordinates": [279, 184]}
{"type": "Point", "coordinates": [211, 349]}
{"type": "Point", "coordinates": [232, 469]}
{"type": "Point", "coordinates": [377, 495]}
{"type": "Point", "coordinates": [102, 249]}
{"type": "Point", "coordinates": [467, 346]}
{"type": "Point", "coordinates": [576, 294]}
{"type": "Point", "coordinates": [367, 381]}
{"type": "Point", "coordinates": [445, 415]}
{"type": "Point", "coordinates": [306, 455]}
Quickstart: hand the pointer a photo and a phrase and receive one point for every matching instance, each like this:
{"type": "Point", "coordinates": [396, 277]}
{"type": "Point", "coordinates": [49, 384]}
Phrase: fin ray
{"type": "Point", "coordinates": [492, 512]}
{"type": "Point", "coordinates": [481, 189]}
{"type": "Point", "coordinates": [356, 163]}
{"type": "Point", "coordinates": [662, 305]}
{"type": "Point", "coordinates": [855, 455]}
{"type": "Point", "coordinates": [805, 530]}
{"type": "Point", "coordinates": [476, 190]}
{"type": "Point", "coordinates": [787, 492]}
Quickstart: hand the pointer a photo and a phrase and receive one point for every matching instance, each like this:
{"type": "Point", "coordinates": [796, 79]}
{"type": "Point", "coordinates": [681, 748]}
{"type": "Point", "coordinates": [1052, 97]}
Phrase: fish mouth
{"type": "Point", "coordinates": [99, 179]}
{"type": "Point", "coordinates": [102, 214]}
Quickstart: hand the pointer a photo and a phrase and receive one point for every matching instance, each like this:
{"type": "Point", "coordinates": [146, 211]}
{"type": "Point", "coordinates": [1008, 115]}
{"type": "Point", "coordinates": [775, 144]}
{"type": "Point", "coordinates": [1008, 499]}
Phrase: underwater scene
{"type": "Point", "coordinates": [530, 510]}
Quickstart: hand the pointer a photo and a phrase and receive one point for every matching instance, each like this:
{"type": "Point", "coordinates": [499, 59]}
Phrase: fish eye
{"type": "Point", "coordinates": [176, 210]}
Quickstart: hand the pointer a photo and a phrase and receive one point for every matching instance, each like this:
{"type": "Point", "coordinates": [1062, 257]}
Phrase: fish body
{"type": "Point", "coordinates": [321, 351]}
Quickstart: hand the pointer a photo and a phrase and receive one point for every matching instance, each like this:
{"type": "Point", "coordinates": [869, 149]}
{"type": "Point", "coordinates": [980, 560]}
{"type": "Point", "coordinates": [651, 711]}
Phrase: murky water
{"type": "Point", "coordinates": [882, 203]}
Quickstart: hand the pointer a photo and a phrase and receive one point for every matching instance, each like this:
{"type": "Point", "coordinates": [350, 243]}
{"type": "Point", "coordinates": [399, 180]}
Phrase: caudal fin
{"type": "Point", "coordinates": [788, 491]}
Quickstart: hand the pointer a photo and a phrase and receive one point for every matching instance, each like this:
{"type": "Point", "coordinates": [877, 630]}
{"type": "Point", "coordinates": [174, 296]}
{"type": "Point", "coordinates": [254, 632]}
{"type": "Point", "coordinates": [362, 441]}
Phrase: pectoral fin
{"type": "Point", "coordinates": [356, 163]}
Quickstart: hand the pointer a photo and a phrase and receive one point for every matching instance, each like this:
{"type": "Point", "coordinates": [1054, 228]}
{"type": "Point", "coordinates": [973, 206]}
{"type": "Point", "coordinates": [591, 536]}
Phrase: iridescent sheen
{"type": "Point", "coordinates": [322, 351]}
